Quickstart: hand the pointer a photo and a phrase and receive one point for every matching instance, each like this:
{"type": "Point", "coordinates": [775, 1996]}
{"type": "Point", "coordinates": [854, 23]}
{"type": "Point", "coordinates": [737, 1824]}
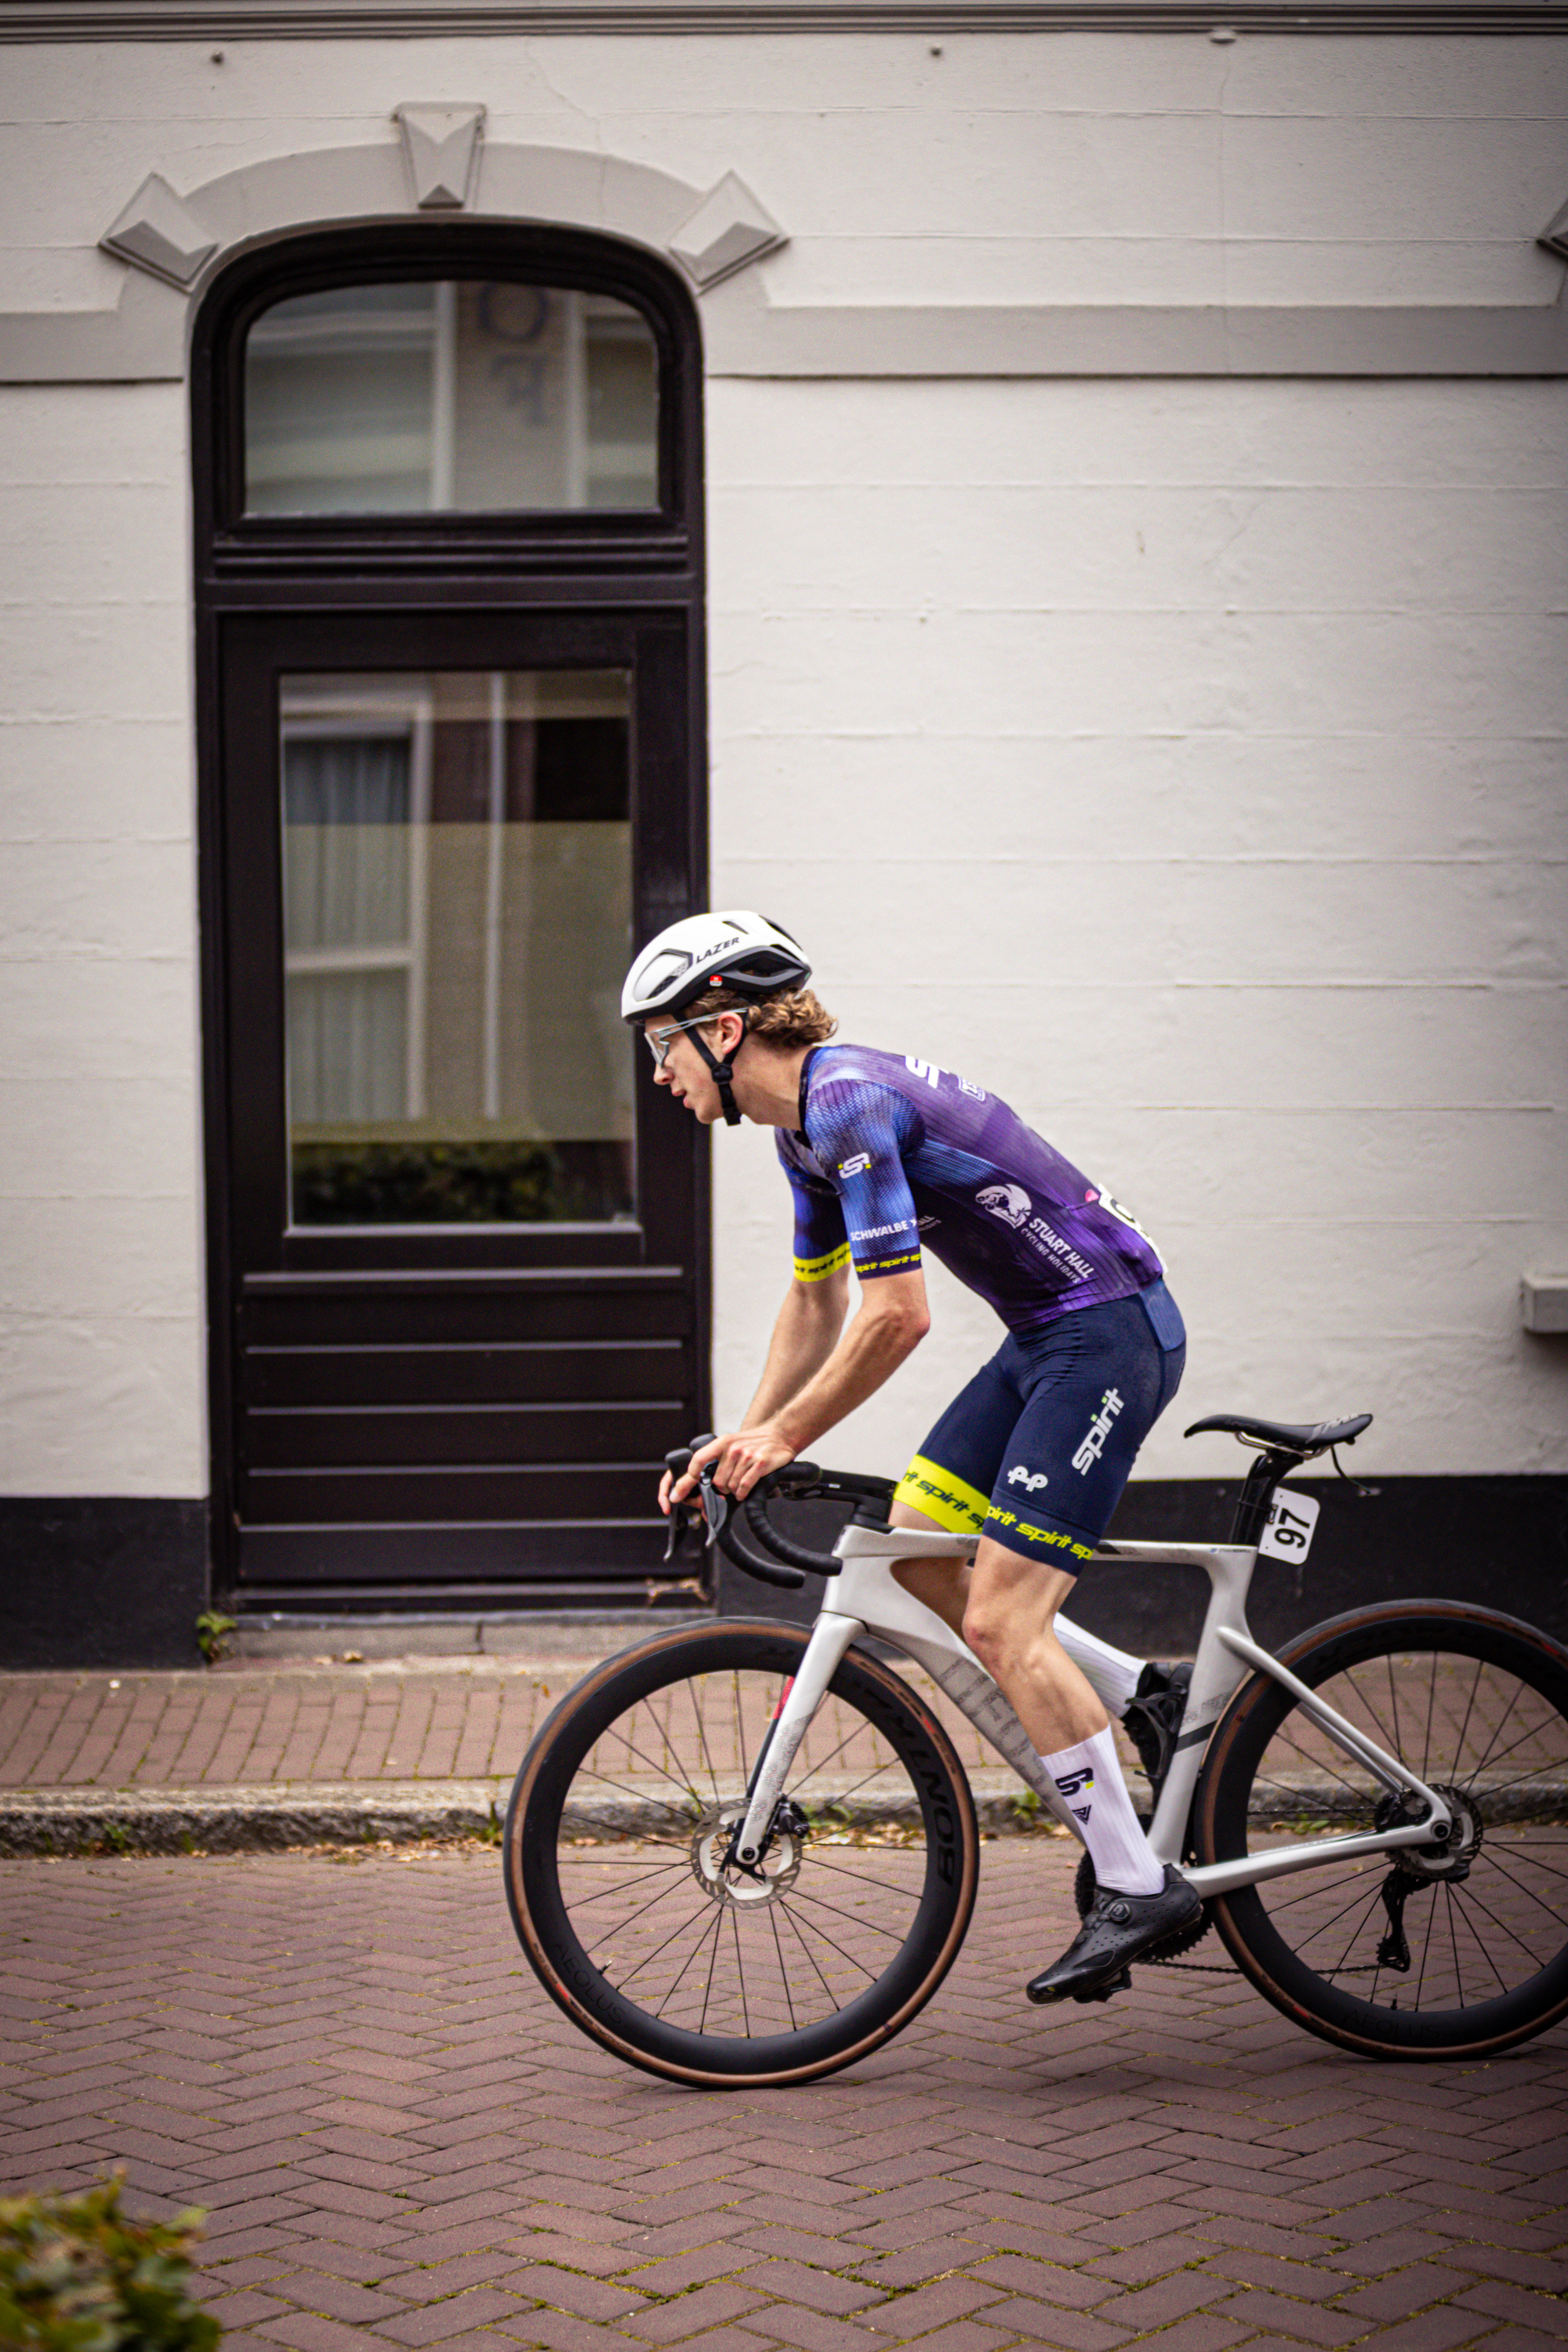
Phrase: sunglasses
{"type": "Point", "coordinates": [658, 1039]}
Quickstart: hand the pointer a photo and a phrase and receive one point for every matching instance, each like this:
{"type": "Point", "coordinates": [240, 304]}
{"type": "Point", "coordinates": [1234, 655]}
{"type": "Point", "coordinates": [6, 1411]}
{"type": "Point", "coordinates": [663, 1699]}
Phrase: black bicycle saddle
{"type": "Point", "coordinates": [1284, 1436]}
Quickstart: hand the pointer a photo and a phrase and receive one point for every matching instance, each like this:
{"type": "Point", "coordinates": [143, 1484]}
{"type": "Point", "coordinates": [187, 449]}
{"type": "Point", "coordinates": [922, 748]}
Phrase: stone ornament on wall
{"type": "Point", "coordinates": [724, 232]}
{"type": "Point", "coordinates": [729, 229]}
{"type": "Point", "coordinates": [1554, 235]}
{"type": "Point", "coordinates": [441, 147]}
{"type": "Point", "coordinates": [158, 232]}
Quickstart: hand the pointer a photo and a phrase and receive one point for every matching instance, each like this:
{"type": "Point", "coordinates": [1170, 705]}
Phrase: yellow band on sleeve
{"type": "Point", "coordinates": [943, 1495]}
{"type": "Point", "coordinates": [817, 1269]}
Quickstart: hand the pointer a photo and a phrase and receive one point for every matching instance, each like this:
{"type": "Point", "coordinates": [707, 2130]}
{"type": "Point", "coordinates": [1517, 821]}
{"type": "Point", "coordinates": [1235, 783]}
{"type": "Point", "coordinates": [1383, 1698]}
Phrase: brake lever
{"type": "Point", "coordinates": [678, 1461]}
{"type": "Point", "coordinates": [716, 1504]}
{"type": "Point", "coordinates": [680, 1517]}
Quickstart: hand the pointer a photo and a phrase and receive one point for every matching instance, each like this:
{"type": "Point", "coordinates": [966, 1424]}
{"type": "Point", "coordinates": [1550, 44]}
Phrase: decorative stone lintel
{"type": "Point", "coordinates": [1554, 235]}
{"type": "Point", "coordinates": [728, 230]}
{"type": "Point", "coordinates": [159, 233]}
{"type": "Point", "coordinates": [441, 145]}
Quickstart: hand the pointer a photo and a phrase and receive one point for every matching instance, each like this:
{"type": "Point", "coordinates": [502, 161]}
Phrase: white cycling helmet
{"type": "Point", "coordinates": [737, 951]}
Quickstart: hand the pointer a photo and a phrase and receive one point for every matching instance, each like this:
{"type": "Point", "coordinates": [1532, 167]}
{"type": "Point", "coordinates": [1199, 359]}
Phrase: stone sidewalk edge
{"type": "Point", "coordinates": [262, 1817]}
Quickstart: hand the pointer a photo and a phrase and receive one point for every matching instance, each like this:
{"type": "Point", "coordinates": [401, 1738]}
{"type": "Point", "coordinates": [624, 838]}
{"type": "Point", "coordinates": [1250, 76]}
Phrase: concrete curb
{"type": "Point", "coordinates": [263, 1817]}
{"type": "Point", "coordinates": [246, 1819]}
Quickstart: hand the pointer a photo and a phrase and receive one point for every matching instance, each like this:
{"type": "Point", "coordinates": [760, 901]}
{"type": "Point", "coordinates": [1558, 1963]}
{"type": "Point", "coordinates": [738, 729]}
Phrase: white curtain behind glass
{"type": "Point", "coordinates": [348, 947]}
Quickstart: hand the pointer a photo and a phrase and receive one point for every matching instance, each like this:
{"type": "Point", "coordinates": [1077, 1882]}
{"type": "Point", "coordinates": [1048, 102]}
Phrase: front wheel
{"type": "Point", "coordinates": [1417, 1952]}
{"type": "Point", "coordinates": [680, 1961]}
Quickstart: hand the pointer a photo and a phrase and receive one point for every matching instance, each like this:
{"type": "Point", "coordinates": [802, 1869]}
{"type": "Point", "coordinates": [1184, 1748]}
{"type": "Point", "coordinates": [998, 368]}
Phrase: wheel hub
{"type": "Point", "coordinates": [1453, 1857]}
{"type": "Point", "coordinates": [773, 1875]}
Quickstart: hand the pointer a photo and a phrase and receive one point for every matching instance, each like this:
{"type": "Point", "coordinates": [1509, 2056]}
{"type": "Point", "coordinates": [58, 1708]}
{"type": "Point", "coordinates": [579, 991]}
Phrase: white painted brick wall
{"type": "Point", "coordinates": [102, 1324]}
{"type": "Point", "coordinates": [1080, 168]}
{"type": "Point", "coordinates": [1185, 759]}
{"type": "Point", "coordinates": [1186, 763]}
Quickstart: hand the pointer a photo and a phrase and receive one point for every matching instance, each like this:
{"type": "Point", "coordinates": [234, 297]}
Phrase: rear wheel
{"type": "Point", "coordinates": [1419, 1952]}
{"type": "Point", "coordinates": [677, 1959]}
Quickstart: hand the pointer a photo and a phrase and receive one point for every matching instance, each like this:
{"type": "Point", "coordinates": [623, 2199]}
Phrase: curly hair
{"type": "Point", "coordinates": [792, 1018]}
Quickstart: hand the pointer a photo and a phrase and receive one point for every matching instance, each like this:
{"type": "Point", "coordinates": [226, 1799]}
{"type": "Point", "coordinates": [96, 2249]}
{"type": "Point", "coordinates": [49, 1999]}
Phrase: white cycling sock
{"type": "Point", "coordinates": [1089, 1778]}
{"type": "Point", "coordinates": [1112, 1672]}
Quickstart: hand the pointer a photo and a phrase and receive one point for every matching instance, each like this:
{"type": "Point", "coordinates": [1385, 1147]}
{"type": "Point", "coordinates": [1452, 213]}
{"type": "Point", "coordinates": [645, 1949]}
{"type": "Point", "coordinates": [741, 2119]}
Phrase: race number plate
{"type": "Point", "coordinates": [1291, 1519]}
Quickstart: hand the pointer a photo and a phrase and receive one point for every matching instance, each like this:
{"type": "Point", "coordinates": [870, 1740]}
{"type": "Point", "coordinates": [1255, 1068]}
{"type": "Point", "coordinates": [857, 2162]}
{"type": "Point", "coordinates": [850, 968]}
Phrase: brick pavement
{"type": "Point", "coordinates": [402, 2144]}
{"type": "Point", "coordinates": [293, 1721]}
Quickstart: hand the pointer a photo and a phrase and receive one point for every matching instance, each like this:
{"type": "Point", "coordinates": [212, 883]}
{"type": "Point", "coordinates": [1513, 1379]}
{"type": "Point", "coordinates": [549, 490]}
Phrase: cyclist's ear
{"type": "Point", "coordinates": [724, 1033]}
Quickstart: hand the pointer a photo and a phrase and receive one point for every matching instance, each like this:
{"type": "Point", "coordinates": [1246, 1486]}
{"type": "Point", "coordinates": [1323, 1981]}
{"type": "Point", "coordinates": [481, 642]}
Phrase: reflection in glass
{"type": "Point", "coordinates": [449, 396]}
{"type": "Point", "coordinates": [457, 881]}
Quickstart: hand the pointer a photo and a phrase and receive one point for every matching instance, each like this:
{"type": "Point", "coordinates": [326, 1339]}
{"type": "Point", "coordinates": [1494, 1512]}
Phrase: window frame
{"type": "Point", "coordinates": [553, 539]}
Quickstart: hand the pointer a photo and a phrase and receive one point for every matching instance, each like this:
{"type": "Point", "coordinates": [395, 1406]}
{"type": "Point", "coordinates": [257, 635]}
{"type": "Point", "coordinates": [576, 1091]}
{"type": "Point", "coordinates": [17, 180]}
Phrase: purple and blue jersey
{"type": "Point", "coordinates": [895, 1154]}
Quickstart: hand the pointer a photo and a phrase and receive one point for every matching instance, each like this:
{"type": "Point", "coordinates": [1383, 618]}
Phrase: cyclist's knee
{"type": "Point", "coordinates": [989, 1629]}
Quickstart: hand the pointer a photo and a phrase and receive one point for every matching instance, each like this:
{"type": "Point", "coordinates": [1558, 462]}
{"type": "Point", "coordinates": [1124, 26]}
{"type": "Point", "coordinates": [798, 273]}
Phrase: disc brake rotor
{"type": "Point", "coordinates": [773, 1875]}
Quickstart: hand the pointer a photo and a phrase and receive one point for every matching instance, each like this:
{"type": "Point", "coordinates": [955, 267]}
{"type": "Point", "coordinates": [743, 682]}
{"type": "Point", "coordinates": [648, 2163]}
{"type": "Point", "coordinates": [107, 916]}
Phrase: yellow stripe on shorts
{"type": "Point", "coordinates": [943, 1495]}
{"type": "Point", "coordinates": [817, 1269]}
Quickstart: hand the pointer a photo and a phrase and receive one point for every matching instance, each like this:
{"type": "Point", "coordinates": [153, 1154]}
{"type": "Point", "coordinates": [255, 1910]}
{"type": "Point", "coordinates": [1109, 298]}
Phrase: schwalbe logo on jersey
{"type": "Point", "coordinates": [1009, 1201]}
{"type": "Point", "coordinates": [856, 1167]}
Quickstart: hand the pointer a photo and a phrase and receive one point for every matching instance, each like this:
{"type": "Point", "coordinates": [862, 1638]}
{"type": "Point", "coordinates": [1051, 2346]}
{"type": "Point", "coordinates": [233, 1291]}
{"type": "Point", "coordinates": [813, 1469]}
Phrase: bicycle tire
{"type": "Point", "coordinates": [596, 1791]}
{"type": "Point", "coordinates": [1484, 1715]}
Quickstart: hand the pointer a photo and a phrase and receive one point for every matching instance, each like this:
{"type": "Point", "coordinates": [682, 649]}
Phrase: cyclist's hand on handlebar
{"type": "Point", "coordinates": [738, 1461]}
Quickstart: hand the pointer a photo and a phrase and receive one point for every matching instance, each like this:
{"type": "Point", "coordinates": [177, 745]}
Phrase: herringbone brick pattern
{"type": "Point", "coordinates": [462, 1720]}
{"type": "Point", "coordinates": [449, 1720]}
{"type": "Point", "coordinates": [402, 2144]}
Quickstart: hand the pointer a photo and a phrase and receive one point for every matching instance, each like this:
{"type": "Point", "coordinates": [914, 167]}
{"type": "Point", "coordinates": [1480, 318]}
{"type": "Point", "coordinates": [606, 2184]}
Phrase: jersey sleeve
{"type": "Point", "coordinates": [821, 1244]}
{"type": "Point", "coordinates": [860, 1133]}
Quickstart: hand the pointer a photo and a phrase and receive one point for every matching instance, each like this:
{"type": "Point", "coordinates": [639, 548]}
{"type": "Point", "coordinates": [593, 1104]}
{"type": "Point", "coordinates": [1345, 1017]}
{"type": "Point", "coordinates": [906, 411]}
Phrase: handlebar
{"type": "Point", "coordinates": [795, 1482]}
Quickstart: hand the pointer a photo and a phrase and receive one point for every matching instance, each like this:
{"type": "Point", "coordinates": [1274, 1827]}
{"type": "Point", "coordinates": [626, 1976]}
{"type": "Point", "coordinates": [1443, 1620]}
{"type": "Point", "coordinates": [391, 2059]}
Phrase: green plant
{"type": "Point", "coordinates": [213, 1630]}
{"type": "Point", "coordinates": [77, 2276]}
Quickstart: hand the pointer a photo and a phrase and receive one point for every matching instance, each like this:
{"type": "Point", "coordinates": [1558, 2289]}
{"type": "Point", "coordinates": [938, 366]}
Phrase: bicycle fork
{"type": "Point", "coordinates": [830, 1638]}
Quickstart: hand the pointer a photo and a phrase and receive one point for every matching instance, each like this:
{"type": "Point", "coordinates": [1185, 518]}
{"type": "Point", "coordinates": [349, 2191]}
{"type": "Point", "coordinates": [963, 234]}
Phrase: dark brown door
{"type": "Point", "coordinates": [448, 542]}
{"type": "Point", "coordinates": [463, 1245]}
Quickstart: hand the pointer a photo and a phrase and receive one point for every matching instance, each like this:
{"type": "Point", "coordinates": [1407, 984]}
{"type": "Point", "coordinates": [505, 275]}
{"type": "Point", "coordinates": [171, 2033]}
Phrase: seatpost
{"type": "Point", "coordinates": [1252, 1505]}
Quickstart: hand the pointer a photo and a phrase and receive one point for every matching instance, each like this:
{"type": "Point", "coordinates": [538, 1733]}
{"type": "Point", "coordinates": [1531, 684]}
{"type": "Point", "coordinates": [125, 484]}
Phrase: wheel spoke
{"type": "Point", "coordinates": [1470, 1896]}
{"type": "Point", "coordinates": [661, 1870]}
{"type": "Point", "coordinates": [1498, 1863]}
{"type": "Point", "coordinates": [843, 1955]}
{"type": "Point", "coordinates": [843, 1870]}
{"type": "Point", "coordinates": [697, 1697]}
{"type": "Point", "coordinates": [795, 1924]}
{"type": "Point", "coordinates": [741, 1974]}
{"type": "Point", "coordinates": [1476, 1940]}
{"type": "Point", "coordinates": [649, 1957]}
{"type": "Point", "coordinates": [1498, 1731]}
{"type": "Point", "coordinates": [621, 1925]}
{"type": "Point", "coordinates": [784, 1973]}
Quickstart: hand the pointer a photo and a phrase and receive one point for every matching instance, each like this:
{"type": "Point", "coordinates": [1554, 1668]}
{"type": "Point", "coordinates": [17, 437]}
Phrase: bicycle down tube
{"type": "Point", "coordinates": [870, 1599]}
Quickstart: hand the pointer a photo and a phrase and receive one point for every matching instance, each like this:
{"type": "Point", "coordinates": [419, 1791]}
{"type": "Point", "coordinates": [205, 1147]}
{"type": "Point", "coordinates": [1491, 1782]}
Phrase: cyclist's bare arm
{"type": "Point", "coordinates": [805, 1336]}
{"type": "Point", "coordinates": [892, 1321]}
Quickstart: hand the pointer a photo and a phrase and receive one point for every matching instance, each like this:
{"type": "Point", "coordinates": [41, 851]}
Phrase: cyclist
{"type": "Point", "coordinates": [887, 1154]}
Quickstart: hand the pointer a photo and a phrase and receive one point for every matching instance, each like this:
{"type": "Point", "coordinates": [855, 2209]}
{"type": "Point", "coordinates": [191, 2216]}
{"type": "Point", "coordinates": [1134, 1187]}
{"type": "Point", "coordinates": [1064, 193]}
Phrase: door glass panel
{"type": "Point", "coordinates": [451, 396]}
{"type": "Point", "coordinates": [456, 886]}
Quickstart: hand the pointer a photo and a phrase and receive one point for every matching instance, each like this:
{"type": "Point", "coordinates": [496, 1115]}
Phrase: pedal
{"type": "Point", "coordinates": [1121, 1982]}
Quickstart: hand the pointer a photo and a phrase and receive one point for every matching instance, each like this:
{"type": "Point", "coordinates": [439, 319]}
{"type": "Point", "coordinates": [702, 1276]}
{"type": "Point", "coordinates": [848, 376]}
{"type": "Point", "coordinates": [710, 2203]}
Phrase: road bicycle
{"type": "Point", "coordinates": [746, 1853]}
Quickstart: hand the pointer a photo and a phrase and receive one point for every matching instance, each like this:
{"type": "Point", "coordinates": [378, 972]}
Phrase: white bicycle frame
{"type": "Point", "coordinates": [868, 1599]}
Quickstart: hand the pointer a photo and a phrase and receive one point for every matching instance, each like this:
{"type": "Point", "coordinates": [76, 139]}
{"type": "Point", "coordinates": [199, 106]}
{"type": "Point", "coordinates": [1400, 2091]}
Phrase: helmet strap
{"type": "Point", "coordinates": [723, 1071]}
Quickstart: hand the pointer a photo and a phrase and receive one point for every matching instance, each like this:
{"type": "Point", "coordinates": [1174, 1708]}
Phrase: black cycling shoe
{"type": "Point", "coordinates": [1119, 1929]}
{"type": "Point", "coordinates": [1153, 1718]}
